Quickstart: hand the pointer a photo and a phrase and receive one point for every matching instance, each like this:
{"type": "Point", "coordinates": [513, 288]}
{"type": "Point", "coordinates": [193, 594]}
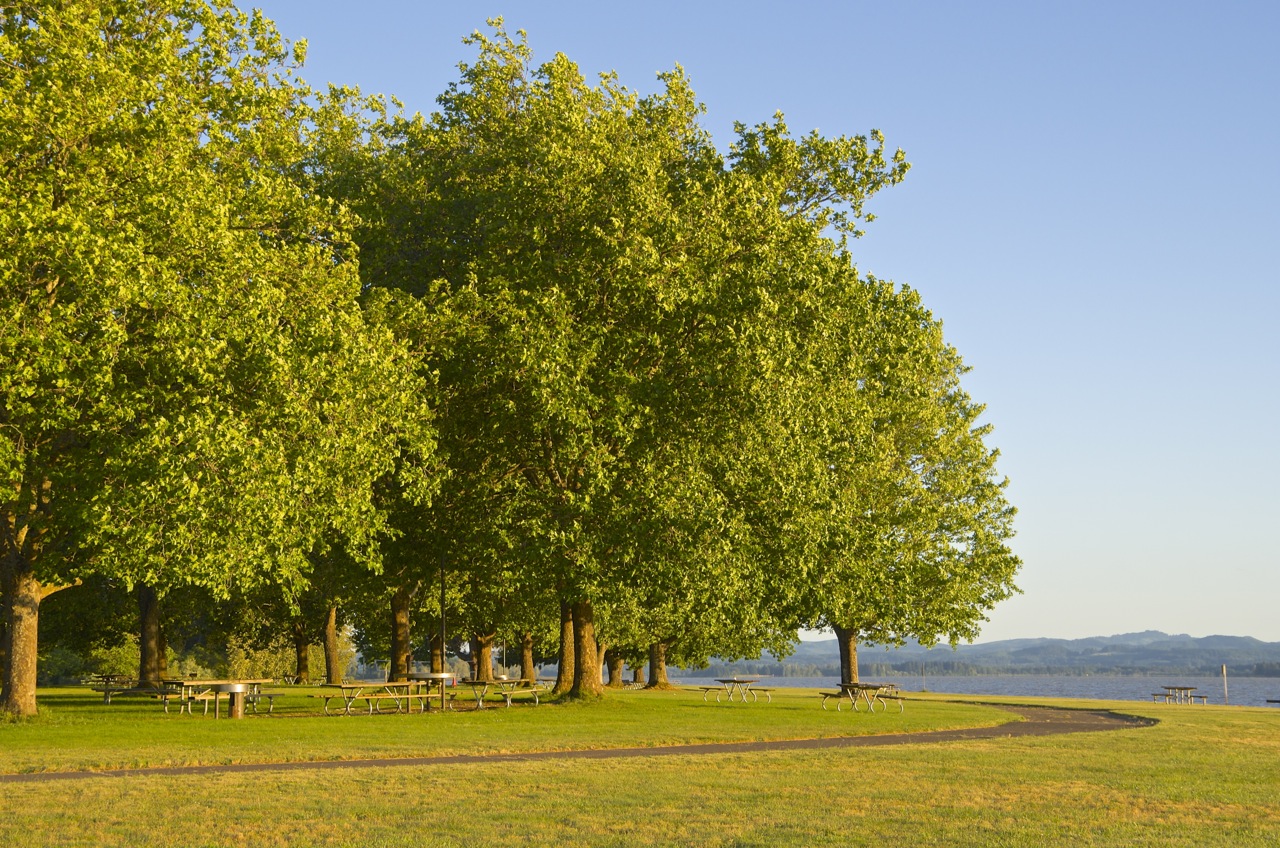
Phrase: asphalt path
{"type": "Point", "coordinates": [1037, 721]}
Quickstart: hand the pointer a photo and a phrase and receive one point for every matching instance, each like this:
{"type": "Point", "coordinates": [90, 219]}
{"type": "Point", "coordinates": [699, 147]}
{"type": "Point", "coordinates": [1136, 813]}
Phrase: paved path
{"type": "Point", "coordinates": [1039, 721]}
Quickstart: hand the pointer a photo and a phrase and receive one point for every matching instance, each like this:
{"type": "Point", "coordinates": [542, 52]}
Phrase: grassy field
{"type": "Point", "coordinates": [1202, 776]}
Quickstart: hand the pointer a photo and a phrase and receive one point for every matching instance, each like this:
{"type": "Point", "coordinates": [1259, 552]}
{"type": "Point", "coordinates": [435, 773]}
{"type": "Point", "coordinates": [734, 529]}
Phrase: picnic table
{"type": "Point", "coordinates": [239, 691]}
{"type": "Point", "coordinates": [869, 693]}
{"type": "Point", "coordinates": [373, 693]}
{"type": "Point", "coordinates": [1179, 695]}
{"type": "Point", "coordinates": [437, 681]}
{"type": "Point", "coordinates": [739, 686]}
{"type": "Point", "coordinates": [506, 687]}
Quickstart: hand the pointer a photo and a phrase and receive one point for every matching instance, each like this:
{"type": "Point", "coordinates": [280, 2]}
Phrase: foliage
{"type": "Point", "coordinates": [586, 358]}
{"type": "Point", "coordinates": [199, 399]}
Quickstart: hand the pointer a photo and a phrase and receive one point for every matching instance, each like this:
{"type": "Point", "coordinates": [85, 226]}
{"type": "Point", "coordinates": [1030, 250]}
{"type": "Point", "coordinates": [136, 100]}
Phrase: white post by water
{"type": "Point", "coordinates": [1224, 685]}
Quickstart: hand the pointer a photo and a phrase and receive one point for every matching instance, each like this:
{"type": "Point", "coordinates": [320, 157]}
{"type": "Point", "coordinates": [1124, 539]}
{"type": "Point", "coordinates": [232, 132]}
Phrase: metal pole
{"type": "Point", "coordinates": [443, 666]}
{"type": "Point", "coordinates": [1224, 685]}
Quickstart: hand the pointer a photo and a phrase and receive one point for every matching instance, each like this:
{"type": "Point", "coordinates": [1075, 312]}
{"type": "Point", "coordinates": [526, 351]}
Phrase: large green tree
{"type": "Point", "coordinates": [616, 286]}
{"type": "Point", "coordinates": [191, 394]}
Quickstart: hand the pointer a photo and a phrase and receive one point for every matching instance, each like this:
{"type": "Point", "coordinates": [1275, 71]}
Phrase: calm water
{"type": "Point", "coordinates": [1243, 691]}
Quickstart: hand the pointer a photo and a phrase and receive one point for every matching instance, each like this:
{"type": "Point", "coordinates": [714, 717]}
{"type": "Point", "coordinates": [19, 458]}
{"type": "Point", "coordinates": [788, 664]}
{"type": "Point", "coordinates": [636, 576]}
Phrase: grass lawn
{"type": "Point", "coordinates": [1202, 776]}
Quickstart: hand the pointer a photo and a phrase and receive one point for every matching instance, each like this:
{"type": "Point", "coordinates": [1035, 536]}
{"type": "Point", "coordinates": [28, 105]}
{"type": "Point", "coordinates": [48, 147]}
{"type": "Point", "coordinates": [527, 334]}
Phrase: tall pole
{"type": "Point", "coordinates": [1224, 685]}
{"type": "Point", "coordinates": [443, 665]}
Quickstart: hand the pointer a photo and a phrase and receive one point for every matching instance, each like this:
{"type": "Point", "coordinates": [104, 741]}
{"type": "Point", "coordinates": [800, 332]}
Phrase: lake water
{"type": "Point", "coordinates": [1243, 691]}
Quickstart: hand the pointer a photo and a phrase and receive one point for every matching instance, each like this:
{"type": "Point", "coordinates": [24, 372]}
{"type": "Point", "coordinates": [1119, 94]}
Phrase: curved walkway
{"type": "Point", "coordinates": [1038, 721]}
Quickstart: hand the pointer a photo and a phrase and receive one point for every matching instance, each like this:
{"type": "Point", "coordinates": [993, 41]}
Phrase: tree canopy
{"type": "Point", "coordinates": [194, 396]}
{"type": "Point", "coordinates": [549, 337]}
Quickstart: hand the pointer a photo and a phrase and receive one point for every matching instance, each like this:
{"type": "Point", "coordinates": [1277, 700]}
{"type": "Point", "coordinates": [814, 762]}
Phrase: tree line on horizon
{"type": "Point", "coordinates": [545, 363]}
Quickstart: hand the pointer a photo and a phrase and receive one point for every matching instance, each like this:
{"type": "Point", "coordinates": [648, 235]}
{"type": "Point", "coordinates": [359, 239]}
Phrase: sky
{"type": "Point", "coordinates": [1091, 212]}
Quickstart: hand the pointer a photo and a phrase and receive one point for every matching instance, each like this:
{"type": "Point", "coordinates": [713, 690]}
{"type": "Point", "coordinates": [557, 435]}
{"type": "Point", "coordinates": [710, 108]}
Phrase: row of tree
{"type": "Point", "coordinates": [546, 347]}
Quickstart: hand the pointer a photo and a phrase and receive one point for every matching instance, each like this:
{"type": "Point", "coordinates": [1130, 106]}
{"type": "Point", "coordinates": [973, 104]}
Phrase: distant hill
{"type": "Point", "coordinates": [1149, 652]}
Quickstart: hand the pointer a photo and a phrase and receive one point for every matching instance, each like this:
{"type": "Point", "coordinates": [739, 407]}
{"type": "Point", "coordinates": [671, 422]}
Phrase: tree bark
{"type": "Point", "coordinates": [21, 543]}
{"type": "Point", "coordinates": [332, 669]}
{"type": "Point", "coordinates": [149, 636]}
{"type": "Point", "coordinates": [482, 653]}
{"type": "Point", "coordinates": [162, 654]}
{"type": "Point", "coordinates": [527, 669]}
{"type": "Point", "coordinates": [437, 652]}
{"type": "Point", "coordinates": [301, 650]}
{"type": "Point", "coordinates": [586, 667]}
{"type": "Point", "coordinates": [613, 663]}
{"type": "Point", "coordinates": [847, 639]}
{"type": "Point", "coordinates": [401, 653]}
{"type": "Point", "coordinates": [637, 675]}
{"type": "Point", "coordinates": [565, 659]}
{"type": "Point", "coordinates": [20, 595]}
{"type": "Point", "coordinates": [658, 666]}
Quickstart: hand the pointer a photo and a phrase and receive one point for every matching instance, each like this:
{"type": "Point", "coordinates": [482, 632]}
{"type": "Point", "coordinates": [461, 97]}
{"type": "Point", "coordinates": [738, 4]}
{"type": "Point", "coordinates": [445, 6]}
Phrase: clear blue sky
{"type": "Point", "coordinates": [1092, 212]}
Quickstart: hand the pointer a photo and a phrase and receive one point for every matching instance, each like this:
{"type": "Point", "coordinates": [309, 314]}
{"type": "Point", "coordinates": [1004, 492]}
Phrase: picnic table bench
{"type": "Point", "coordinates": [109, 691]}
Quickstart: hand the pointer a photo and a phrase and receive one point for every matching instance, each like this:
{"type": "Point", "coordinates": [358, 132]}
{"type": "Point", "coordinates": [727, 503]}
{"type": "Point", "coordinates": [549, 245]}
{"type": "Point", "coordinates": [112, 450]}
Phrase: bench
{"type": "Point", "coordinates": [190, 700]}
{"type": "Point", "coordinates": [839, 696]}
{"type": "Point", "coordinates": [889, 694]}
{"type": "Point", "coordinates": [707, 690]}
{"type": "Point", "coordinates": [1160, 696]}
{"type": "Point", "coordinates": [253, 698]}
{"type": "Point", "coordinates": [768, 694]}
{"type": "Point", "coordinates": [1204, 699]}
{"type": "Point", "coordinates": [109, 692]}
{"type": "Point", "coordinates": [508, 694]}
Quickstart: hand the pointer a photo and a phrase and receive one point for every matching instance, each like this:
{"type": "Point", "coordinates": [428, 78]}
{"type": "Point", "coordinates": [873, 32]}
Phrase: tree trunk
{"type": "Point", "coordinates": [301, 650]}
{"type": "Point", "coordinates": [482, 653]}
{"type": "Point", "coordinates": [613, 662]}
{"type": "Point", "coordinates": [637, 675]}
{"type": "Point", "coordinates": [149, 636]}
{"type": "Point", "coordinates": [847, 639]}
{"type": "Point", "coordinates": [437, 653]}
{"type": "Point", "coordinates": [162, 654]}
{"type": "Point", "coordinates": [527, 669]}
{"type": "Point", "coordinates": [20, 596]}
{"type": "Point", "coordinates": [332, 667]}
{"type": "Point", "coordinates": [401, 654]}
{"type": "Point", "coordinates": [658, 666]}
{"type": "Point", "coordinates": [586, 668]}
{"type": "Point", "coordinates": [565, 659]}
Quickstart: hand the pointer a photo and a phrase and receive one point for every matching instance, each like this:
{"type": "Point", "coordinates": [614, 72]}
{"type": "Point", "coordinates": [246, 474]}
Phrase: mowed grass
{"type": "Point", "coordinates": [76, 731]}
{"type": "Point", "coordinates": [1202, 776]}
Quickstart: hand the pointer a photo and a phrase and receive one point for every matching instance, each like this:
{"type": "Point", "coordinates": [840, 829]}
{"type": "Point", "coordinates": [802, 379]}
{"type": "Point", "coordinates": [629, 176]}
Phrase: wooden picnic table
{"type": "Point", "coordinates": [869, 693]}
{"type": "Point", "coordinates": [239, 692]}
{"type": "Point", "coordinates": [1180, 695]}
{"type": "Point", "coordinates": [435, 680]}
{"type": "Point", "coordinates": [506, 687]}
{"type": "Point", "coordinates": [373, 693]}
{"type": "Point", "coordinates": [739, 686]}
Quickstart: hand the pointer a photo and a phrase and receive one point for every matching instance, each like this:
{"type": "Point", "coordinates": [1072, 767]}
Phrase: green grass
{"type": "Point", "coordinates": [75, 730]}
{"type": "Point", "coordinates": [1202, 776]}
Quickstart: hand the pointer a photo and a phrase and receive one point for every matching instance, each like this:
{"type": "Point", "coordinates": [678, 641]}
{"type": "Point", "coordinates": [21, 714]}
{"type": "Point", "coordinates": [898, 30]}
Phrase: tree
{"type": "Point", "coordinates": [197, 398]}
{"type": "Point", "coordinates": [903, 517]}
{"type": "Point", "coordinates": [666, 392]}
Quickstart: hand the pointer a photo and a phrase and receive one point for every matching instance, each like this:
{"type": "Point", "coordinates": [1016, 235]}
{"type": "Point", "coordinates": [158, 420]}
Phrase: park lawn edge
{"type": "Point", "coordinates": [70, 743]}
